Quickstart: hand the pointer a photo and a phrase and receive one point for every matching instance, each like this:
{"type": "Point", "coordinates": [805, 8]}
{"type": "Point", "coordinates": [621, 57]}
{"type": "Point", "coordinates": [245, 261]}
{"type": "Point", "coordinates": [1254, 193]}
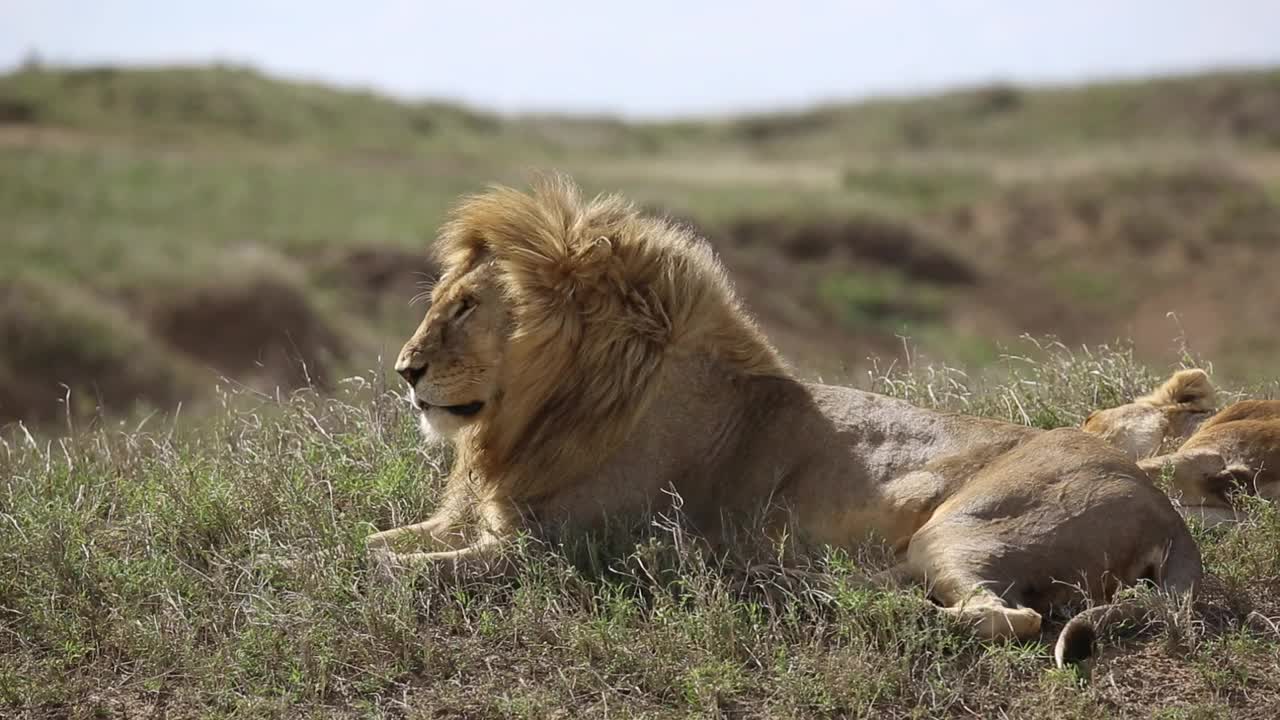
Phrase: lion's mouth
{"type": "Point", "coordinates": [466, 410]}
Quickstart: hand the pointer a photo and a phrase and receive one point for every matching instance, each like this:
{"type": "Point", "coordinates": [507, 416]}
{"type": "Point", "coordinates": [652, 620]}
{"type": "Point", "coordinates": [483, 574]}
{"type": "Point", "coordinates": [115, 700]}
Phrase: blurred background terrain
{"type": "Point", "coordinates": [163, 226]}
{"type": "Point", "coordinates": [214, 217]}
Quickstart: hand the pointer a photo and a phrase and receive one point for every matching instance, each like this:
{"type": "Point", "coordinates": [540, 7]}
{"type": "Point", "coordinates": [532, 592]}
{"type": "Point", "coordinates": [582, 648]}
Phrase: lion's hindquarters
{"type": "Point", "coordinates": [1001, 582]}
{"type": "Point", "coordinates": [1176, 569]}
{"type": "Point", "coordinates": [1052, 522]}
{"type": "Point", "coordinates": [956, 566]}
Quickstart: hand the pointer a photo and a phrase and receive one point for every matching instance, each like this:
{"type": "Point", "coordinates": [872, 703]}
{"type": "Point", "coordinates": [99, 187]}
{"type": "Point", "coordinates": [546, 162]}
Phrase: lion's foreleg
{"type": "Point", "coordinates": [487, 557]}
{"type": "Point", "coordinates": [440, 544]}
{"type": "Point", "coordinates": [442, 531]}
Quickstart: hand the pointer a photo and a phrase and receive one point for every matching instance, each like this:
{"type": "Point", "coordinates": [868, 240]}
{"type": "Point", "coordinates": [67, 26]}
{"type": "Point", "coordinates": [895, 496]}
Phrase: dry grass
{"type": "Point", "coordinates": [218, 572]}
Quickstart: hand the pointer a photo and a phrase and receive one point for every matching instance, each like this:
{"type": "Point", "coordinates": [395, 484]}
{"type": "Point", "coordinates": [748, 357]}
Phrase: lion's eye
{"type": "Point", "coordinates": [464, 308]}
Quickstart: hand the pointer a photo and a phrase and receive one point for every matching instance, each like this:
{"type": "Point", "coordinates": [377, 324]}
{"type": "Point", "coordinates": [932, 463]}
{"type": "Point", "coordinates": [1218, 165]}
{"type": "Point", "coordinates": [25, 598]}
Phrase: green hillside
{"type": "Point", "coordinates": [235, 102]}
{"type": "Point", "coordinates": [175, 204]}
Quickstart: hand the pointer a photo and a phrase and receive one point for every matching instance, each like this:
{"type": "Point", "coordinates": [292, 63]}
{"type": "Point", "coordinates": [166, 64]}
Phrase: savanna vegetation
{"type": "Point", "coordinates": [205, 271]}
{"type": "Point", "coordinates": [163, 571]}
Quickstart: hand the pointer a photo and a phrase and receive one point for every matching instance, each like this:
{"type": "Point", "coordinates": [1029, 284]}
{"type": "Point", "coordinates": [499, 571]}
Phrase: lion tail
{"type": "Point", "coordinates": [1179, 574]}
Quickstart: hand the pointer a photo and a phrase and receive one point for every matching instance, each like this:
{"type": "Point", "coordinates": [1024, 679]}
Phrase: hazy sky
{"type": "Point", "coordinates": [649, 57]}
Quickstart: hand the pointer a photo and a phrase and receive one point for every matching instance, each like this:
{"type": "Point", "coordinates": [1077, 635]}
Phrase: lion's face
{"type": "Point", "coordinates": [1197, 478]}
{"type": "Point", "coordinates": [452, 363]}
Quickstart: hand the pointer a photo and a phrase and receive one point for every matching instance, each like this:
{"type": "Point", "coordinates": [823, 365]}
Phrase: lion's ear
{"type": "Point", "coordinates": [1190, 389]}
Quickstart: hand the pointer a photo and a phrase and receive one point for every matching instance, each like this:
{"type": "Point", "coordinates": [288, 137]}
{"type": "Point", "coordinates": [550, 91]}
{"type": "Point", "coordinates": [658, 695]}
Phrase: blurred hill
{"type": "Point", "coordinates": [160, 228]}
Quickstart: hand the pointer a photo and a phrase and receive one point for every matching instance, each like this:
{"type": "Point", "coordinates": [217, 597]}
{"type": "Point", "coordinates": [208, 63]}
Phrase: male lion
{"type": "Point", "coordinates": [1208, 454]}
{"type": "Point", "coordinates": [588, 362]}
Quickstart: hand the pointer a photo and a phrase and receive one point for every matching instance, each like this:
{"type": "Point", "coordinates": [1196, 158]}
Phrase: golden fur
{"type": "Point", "coordinates": [1207, 456]}
{"type": "Point", "coordinates": [1160, 420]}
{"type": "Point", "coordinates": [1188, 389]}
{"type": "Point", "coordinates": [607, 307]}
{"type": "Point", "coordinates": [590, 363]}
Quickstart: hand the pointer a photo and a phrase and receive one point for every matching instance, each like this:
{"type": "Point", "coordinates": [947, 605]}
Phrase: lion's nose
{"type": "Point", "coordinates": [411, 374]}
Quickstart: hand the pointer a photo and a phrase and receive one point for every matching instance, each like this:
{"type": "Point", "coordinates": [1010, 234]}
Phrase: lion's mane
{"type": "Point", "coordinates": [600, 297]}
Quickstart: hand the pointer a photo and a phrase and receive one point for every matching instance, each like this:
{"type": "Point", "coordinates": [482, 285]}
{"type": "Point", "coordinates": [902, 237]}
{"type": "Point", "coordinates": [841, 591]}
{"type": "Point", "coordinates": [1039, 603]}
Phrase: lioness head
{"type": "Point", "coordinates": [1171, 412]}
{"type": "Point", "coordinates": [1197, 478]}
{"type": "Point", "coordinates": [452, 362]}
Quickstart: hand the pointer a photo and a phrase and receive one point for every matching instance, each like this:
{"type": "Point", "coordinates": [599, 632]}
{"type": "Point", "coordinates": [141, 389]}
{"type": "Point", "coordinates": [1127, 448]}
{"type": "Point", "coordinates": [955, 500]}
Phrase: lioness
{"type": "Point", "coordinates": [590, 362]}
{"type": "Point", "coordinates": [1208, 455]}
{"type": "Point", "coordinates": [1159, 421]}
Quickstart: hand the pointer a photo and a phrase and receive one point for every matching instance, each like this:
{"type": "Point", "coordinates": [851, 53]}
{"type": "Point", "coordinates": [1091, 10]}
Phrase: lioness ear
{"type": "Point", "coordinates": [1189, 388]}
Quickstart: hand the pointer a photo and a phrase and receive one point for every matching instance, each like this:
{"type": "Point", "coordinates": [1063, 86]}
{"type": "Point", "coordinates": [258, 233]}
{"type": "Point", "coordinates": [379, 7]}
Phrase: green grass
{"type": "Point", "coordinates": [136, 214]}
{"type": "Point", "coordinates": [883, 298]}
{"type": "Point", "coordinates": [1228, 105]}
{"type": "Point", "coordinates": [186, 102]}
{"type": "Point", "coordinates": [219, 572]}
{"type": "Point", "coordinates": [230, 102]}
{"type": "Point", "coordinates": [1092, 287]}
{"type": "Point", "coordinates": [918, 189]}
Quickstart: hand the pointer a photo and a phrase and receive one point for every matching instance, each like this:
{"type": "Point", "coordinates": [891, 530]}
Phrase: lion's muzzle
{"type": "Point", "coordinates": [411, 364]}
{"type": "Point", "coordinates": [411, 374]}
